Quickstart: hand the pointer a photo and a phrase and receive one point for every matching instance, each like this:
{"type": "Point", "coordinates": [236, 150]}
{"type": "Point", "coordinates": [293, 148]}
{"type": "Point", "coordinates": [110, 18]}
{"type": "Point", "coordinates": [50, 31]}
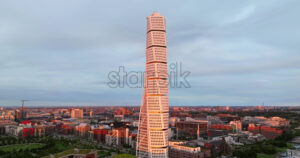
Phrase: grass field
{"type": "Point", "coordinates": [259, 155]}
{"type": "Point", "coordinates": [17, 147]}
{"type": "Point", "coordinates": [124, 156]}
{"type": "Point", "coordinates": [102, 153]}
{"type": "Point", "coordinates": [289, 146]}
{"type": "Point", "coordinates": [68, 152]}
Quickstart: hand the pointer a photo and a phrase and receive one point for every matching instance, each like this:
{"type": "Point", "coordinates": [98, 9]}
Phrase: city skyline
{"type": "Point", "coordinates": [153, 79]}
{"type": "Point", "coordinates": [240, 53]}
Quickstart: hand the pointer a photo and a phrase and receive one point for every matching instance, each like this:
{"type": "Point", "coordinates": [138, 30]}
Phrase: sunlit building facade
{"type": "Point", "coordinates": [152, 138]}
{"type": "Point", "coordinates": [77, 113]}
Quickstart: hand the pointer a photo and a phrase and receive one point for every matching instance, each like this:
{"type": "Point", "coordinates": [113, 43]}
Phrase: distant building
{"type": "Point", "coordinates": [4, 123]}
{"type": "Point", "coordinates": [132, 140]}
{"type": "Point", "coordinates": [226, 118]}
{"type": "Point", "coordinates": [7, 115]}
{"type": "Point", "coordinates": [99, 135]}
{"type": "Point", "coordinates": [77, 113]}
{"type": "Point", "coordinates": [39, 131]}
{"type": "Point", "coordinates": [270, 132]}
{"type": "Point", "coordinates": [266, 131]}
{"type": "Point", "coordinates": [236, 125]}
{"type": "Point", "coordinates": [216, 147]}
{"type": "Point", "coordinates": [91, 113]}
{"type": "Point", "coordinates": [173, 120]}
{"type": "Point", "coordinates": [180, 150]}
{"type": "Point", "coordinates": [25, 122]}
{"type": "Point", "coordinates": [255, 129]}
{"type": "Point", "coordinates": [82, 130]}
{"type": "Point", "coordinates": [221, 127]}
{"type": "Point", "coordinates": [66, 129]}
{"type": "Point", "coordinates": [14, 130]}
{"type": "Point", "coordinates": [211, 133]}
{"type": "Point", "coordinates": [189, 128]}
{"type": "Point", "coordinates": [28, 132]}
{"type": "Point", "coordinates": [277, 122]}
{"type": "Point", "coordinates": [18, 115]}
{"type": "Point", "coordinates": [118, 137]}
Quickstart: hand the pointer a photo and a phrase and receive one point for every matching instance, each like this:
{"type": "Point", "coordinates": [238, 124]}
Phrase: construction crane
{"type": "Point", "coordinates": [22, 110]}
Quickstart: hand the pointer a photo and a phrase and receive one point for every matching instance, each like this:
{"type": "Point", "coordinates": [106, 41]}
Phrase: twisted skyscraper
{"type": "Point", "coordinates": [152, 141]}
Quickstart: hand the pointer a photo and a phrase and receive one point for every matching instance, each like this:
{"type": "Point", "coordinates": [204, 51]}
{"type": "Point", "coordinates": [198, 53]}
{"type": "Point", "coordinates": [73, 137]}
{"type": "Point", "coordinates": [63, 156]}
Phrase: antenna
{"type": "Point", "coordinates": [22, 111]}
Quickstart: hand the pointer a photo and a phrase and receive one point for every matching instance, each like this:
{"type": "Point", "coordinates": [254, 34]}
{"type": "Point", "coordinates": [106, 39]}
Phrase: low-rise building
{"type": "Point", "coordinates": [118, 136]}
{"type": "Point", "coordinates": [4, 123]}
{"type": "Point", "coordinates": [99, 135]}
{"type": "Point", "coordinates": [236, 125]}
{"type": "Point", "coordinates": [28, 132]}
{"type": "Point", "coordinates": [181, 150]}
{"type": "Point", "coordinates": [14, 130]}
{"type": "Point", "coordinates": [82, 130]}
{"type": "Point", "coordinates": [266, 131]}
{"type": "Point", "coordinates": [189, 128]}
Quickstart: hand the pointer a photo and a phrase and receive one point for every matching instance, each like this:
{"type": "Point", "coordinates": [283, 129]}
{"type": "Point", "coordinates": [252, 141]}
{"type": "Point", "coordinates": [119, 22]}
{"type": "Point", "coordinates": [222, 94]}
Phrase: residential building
{"type": "Point", "coordinates": [180, 150]}
{"type": "Point", "coordinates": [77, 113]}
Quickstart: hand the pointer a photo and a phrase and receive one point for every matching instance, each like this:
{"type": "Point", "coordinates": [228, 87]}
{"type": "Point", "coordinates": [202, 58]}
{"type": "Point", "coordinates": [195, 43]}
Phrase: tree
{"type": "Point", "coordinates": [268, 149]}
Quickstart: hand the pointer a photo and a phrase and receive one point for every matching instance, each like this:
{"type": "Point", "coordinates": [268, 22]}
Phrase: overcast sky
{"type": "Point", "coordinates": [238, 52]}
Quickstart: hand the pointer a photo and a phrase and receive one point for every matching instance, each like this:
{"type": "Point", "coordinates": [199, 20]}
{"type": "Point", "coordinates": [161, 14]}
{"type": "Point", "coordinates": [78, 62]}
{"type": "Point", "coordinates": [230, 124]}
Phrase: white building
{"type": "Point", "coordinates": [14, 130]}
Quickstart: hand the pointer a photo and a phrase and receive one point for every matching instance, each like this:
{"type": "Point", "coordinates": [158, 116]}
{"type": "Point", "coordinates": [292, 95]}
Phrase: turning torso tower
{"type": "Point", "coordinates": [152, 141]}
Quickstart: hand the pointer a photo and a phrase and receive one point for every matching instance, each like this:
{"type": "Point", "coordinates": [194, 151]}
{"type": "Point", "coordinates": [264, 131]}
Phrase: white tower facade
{"type": "Point", "coordinates": [152, 141]}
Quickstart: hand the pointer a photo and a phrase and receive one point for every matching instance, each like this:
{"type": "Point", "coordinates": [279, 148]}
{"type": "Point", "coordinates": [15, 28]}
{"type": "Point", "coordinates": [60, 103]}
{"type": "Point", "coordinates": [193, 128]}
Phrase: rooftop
{"type": "Point", "coordinates": [155, 14]}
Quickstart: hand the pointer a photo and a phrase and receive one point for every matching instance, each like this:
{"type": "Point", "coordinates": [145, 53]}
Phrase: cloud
{"type": "Point", "coordinates": [240, 53]}
{"type": "Point", "coordinates": [242, 15]}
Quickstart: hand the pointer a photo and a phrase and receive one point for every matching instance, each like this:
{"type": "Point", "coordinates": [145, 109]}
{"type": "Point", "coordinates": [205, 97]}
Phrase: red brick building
{"type": "Point", "coordinates": [191, 128]}
{"type": "Point", "coordinates": [82, 130]}
{"type": "Point", "coordinates": [216, 147]}
{"type": "Point", "coordinates": [66, 129]}
{"type": "Point", "coordinates": [99, 135]}
{"type": "Point", "coordinates": [266, 131]}
{"type": "Point", "coordinates": [28, 132]}
{"type": "Point", "coordinates": [25, 122]}
{"type": "Point", "coordinates": [221, 127]}
{"type": "Point", "coordinates": [253, 129]}
{"type": "Point", "coordinates": [270, 132]}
